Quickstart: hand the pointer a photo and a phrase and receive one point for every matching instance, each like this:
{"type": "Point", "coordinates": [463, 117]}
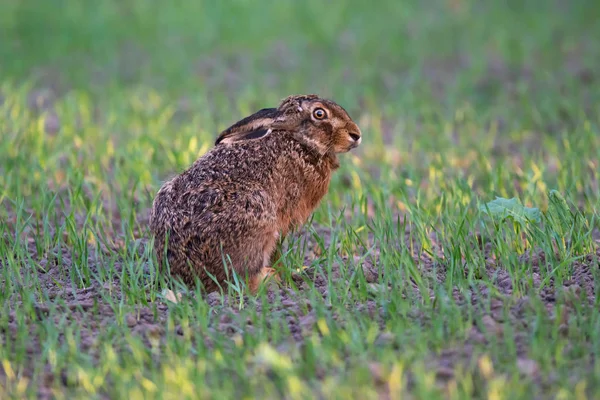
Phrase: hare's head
{"type": "Point", "coordinates": [319, 123]}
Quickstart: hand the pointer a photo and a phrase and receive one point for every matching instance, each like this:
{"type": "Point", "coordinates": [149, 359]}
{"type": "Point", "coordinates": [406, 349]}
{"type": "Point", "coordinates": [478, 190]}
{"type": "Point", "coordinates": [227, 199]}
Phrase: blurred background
{"type": "Point", "coordinates": [398, 51]}
{"type": "Point", "coordinates": [442, 82]}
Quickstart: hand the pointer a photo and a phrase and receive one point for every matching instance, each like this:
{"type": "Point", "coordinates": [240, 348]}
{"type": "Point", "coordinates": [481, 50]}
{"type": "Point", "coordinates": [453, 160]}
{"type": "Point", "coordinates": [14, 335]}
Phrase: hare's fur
{"type": "Point", "coordinates": [230, 208]}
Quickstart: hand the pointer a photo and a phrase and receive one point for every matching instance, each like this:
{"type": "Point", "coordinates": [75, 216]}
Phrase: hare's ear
{"type": "Point", "coordinates": [293, 104]}
{"type": "Point", "coordinates": [251, 127]}
{"type": "Point", "coordinates": [242, 135]}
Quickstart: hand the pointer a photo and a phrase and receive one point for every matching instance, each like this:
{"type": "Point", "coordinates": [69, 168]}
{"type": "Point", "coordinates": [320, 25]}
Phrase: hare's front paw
{"type": "Point", "coordinates": [266, 274]}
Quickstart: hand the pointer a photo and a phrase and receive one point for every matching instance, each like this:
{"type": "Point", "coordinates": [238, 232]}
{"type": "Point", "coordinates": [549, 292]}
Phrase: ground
{"type": "Point", "coordinates": [410, 280]}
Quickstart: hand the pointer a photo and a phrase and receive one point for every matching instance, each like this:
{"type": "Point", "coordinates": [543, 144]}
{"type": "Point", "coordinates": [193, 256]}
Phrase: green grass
{"type": "Point", "coordinates": [458, 101]}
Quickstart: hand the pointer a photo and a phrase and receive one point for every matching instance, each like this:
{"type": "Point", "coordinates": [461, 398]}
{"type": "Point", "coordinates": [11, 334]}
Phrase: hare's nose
{"type": "Point", "coordinates": [354, 136]}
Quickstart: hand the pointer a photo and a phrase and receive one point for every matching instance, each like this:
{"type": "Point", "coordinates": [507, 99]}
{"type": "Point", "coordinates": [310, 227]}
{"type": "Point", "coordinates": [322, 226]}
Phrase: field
{"type": "Point", "coordinates": [455, 256]}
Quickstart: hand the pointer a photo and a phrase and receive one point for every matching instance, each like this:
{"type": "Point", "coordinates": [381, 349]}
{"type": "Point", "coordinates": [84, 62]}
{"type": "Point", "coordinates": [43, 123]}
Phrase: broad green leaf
{"type": "Point", "coordinates": [503, 209]}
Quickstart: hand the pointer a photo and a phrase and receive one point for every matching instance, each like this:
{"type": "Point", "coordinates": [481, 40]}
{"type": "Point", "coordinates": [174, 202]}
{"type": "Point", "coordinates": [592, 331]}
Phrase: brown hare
{"type": "Point", "coordinates": [265, 176]}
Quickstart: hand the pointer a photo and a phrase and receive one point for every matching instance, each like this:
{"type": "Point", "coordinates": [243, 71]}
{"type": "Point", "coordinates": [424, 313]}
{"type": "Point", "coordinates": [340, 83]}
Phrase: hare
{"type": "Point", "coordinates": [265, 175]}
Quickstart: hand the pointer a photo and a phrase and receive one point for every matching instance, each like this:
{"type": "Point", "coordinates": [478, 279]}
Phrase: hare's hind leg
{"type": "Point", "coordinates": [266, 272]}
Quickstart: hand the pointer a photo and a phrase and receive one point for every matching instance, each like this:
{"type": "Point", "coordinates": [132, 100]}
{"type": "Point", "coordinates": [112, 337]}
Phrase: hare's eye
{"type": "Point", "coordinates": [319, 113]}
